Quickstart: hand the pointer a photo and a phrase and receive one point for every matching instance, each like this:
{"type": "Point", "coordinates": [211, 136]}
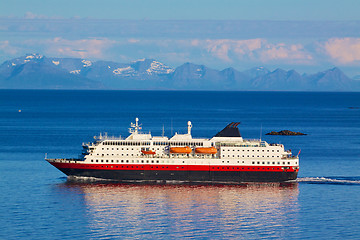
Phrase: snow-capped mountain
{"type": "Point", "coordinates": [36, 71]}
{"type": "Point", "coordinates": [151, 67]}
{"type": "Point", "coordinates": [83, 66]}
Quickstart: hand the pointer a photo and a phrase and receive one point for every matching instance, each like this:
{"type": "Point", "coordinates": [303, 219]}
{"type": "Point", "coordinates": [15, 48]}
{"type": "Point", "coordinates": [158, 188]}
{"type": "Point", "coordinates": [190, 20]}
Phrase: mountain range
{"type": "Point", "coordinates": [34, 71]}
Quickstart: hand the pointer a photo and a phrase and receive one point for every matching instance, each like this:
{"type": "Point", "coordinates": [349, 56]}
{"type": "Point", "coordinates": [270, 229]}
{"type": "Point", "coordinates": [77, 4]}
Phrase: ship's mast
{"type": "Point", "coordinates": [134, 128]}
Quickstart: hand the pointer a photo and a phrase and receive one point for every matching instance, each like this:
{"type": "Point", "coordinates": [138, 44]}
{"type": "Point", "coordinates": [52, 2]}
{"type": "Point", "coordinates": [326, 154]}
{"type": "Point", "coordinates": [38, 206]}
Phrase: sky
{"type": "Point", "coordinates": [305, 35]}
{"type": "Point", "coordinates": [187, 9]}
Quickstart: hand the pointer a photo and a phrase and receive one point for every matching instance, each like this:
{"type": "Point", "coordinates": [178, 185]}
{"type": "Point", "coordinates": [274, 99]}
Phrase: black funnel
{"type": "Point", "coordinates": [231, 130]}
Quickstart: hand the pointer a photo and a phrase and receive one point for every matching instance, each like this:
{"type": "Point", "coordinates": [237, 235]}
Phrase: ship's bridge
{"type": "Point", "coordinates": [139, 136]}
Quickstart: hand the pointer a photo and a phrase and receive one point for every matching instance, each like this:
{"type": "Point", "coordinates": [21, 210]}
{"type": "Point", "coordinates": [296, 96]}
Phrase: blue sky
{"type": "Point", "coordinates": [187, 9]}
{"type": "Point", "coordinates": [305, 35]}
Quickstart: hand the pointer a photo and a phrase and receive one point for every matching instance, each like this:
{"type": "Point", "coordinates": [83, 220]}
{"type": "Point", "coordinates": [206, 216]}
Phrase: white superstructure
{"type": "Point", "coordinates": [229, 150]}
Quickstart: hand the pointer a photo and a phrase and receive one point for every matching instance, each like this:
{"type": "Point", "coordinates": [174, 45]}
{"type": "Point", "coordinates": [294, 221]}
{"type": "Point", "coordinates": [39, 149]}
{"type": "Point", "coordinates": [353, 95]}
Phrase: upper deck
{"type": "Point", "coordinates": [227, 144]}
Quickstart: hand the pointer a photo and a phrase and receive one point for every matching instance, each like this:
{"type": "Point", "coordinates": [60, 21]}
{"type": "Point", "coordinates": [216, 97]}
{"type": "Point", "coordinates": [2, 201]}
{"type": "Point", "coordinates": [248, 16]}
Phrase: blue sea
{"type": "Point", "coordinates": [39, 202]}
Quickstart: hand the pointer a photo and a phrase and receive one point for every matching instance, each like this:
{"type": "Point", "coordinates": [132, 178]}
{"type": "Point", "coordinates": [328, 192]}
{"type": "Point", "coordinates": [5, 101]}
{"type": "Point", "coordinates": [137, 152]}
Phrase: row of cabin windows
{"type": "Point", "coordinates": [118, 154]}
{"type": "Point", "coordinates": [246, 156]}
{"type": "Point", "coordinates": [118, 149]}
{"type": "Point", "coordinates": [186, 144]}
{"type": "Point", "coordinates": [258, 162]}
{"type": "Point", "coordinates": [127, 149]}
{"type": "Point", "coordinates": [237, 168]}
{"type": "Point", "coordinates": [127, 154]}
{"type": "Point", "coordinates": [272, 163]}
{"type": "Point", "coordinates": [162, 161]}
{"type": "Point", "coordinates": [133, 161]}
{"type": "Point", "coordinates": [123, 143]}
{"type": "Point", "coordinates": [247, 150]}
{"type": "Point", "coordinates": [128, 143]}
{"type": "Point", "coordinates": [160, 143]}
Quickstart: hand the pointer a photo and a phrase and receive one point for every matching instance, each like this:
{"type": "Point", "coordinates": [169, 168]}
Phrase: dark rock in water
{"type": "Point", "coordinates": [286, 133]}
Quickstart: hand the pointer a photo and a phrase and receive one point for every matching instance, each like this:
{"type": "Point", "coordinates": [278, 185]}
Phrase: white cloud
{"type": "Point", "coordinates": [255, 50]}
{"type": "Point", "coordinates": [282, 51]}
{"type": "Point", "coordinates": [224, 51]}
{"type": "Point", "coordinates": [345, 51]}
{"type": "Point", "coordinates": [133, 40]}
{"type": "Point", "coordinates": [222, 48]}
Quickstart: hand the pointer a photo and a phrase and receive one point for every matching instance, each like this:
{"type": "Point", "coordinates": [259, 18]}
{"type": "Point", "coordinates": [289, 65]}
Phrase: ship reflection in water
{"type": "Point", "coordinates": [200, 211]}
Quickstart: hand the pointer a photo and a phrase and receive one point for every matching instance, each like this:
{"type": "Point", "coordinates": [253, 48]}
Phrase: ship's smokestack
{"type": "Point", "coordinates": [231, 130]}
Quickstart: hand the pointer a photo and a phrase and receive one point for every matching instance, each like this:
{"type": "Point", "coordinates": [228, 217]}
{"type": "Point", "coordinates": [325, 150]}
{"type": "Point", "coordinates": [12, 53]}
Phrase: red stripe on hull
{"type": "Point", "coordinates": [147, 167]}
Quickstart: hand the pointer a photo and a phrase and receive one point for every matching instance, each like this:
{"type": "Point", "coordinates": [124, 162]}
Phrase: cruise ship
{"type": "Point", "coordinates": [141, 157]}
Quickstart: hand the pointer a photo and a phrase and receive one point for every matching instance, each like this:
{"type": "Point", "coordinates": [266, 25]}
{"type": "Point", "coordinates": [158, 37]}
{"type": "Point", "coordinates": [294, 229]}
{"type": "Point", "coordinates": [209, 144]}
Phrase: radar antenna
{"type": "Point", "coordinates": [134, 128]}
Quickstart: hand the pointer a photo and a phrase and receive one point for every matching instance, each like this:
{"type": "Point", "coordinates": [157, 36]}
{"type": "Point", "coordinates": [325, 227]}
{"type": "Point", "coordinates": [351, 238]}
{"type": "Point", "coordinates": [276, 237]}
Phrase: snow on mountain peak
{"type": "Point", "coordinates": [33, 56]}
{"type": "Point", "coordinates": [159, 68]}
{"type": "Point", "coordinates": [125, 71]}
{"type": "Point", "coordinates": [75, 71]}
{"type": "Point", "coordinates": [86, 63]}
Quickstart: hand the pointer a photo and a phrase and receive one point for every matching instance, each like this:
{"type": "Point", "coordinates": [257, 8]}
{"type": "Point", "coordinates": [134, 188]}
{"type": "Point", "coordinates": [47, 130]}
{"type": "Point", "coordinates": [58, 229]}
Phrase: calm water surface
{"type": "Point", "coordinates": [39, 202]}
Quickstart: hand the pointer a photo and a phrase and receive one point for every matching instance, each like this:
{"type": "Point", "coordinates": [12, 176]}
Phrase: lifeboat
{"type": "Point", "coordinates": [206, 150]}
{"type": "Point", "coordinates": [148, 152]}
{"type": "Point", "coordinates": [186, 150]}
